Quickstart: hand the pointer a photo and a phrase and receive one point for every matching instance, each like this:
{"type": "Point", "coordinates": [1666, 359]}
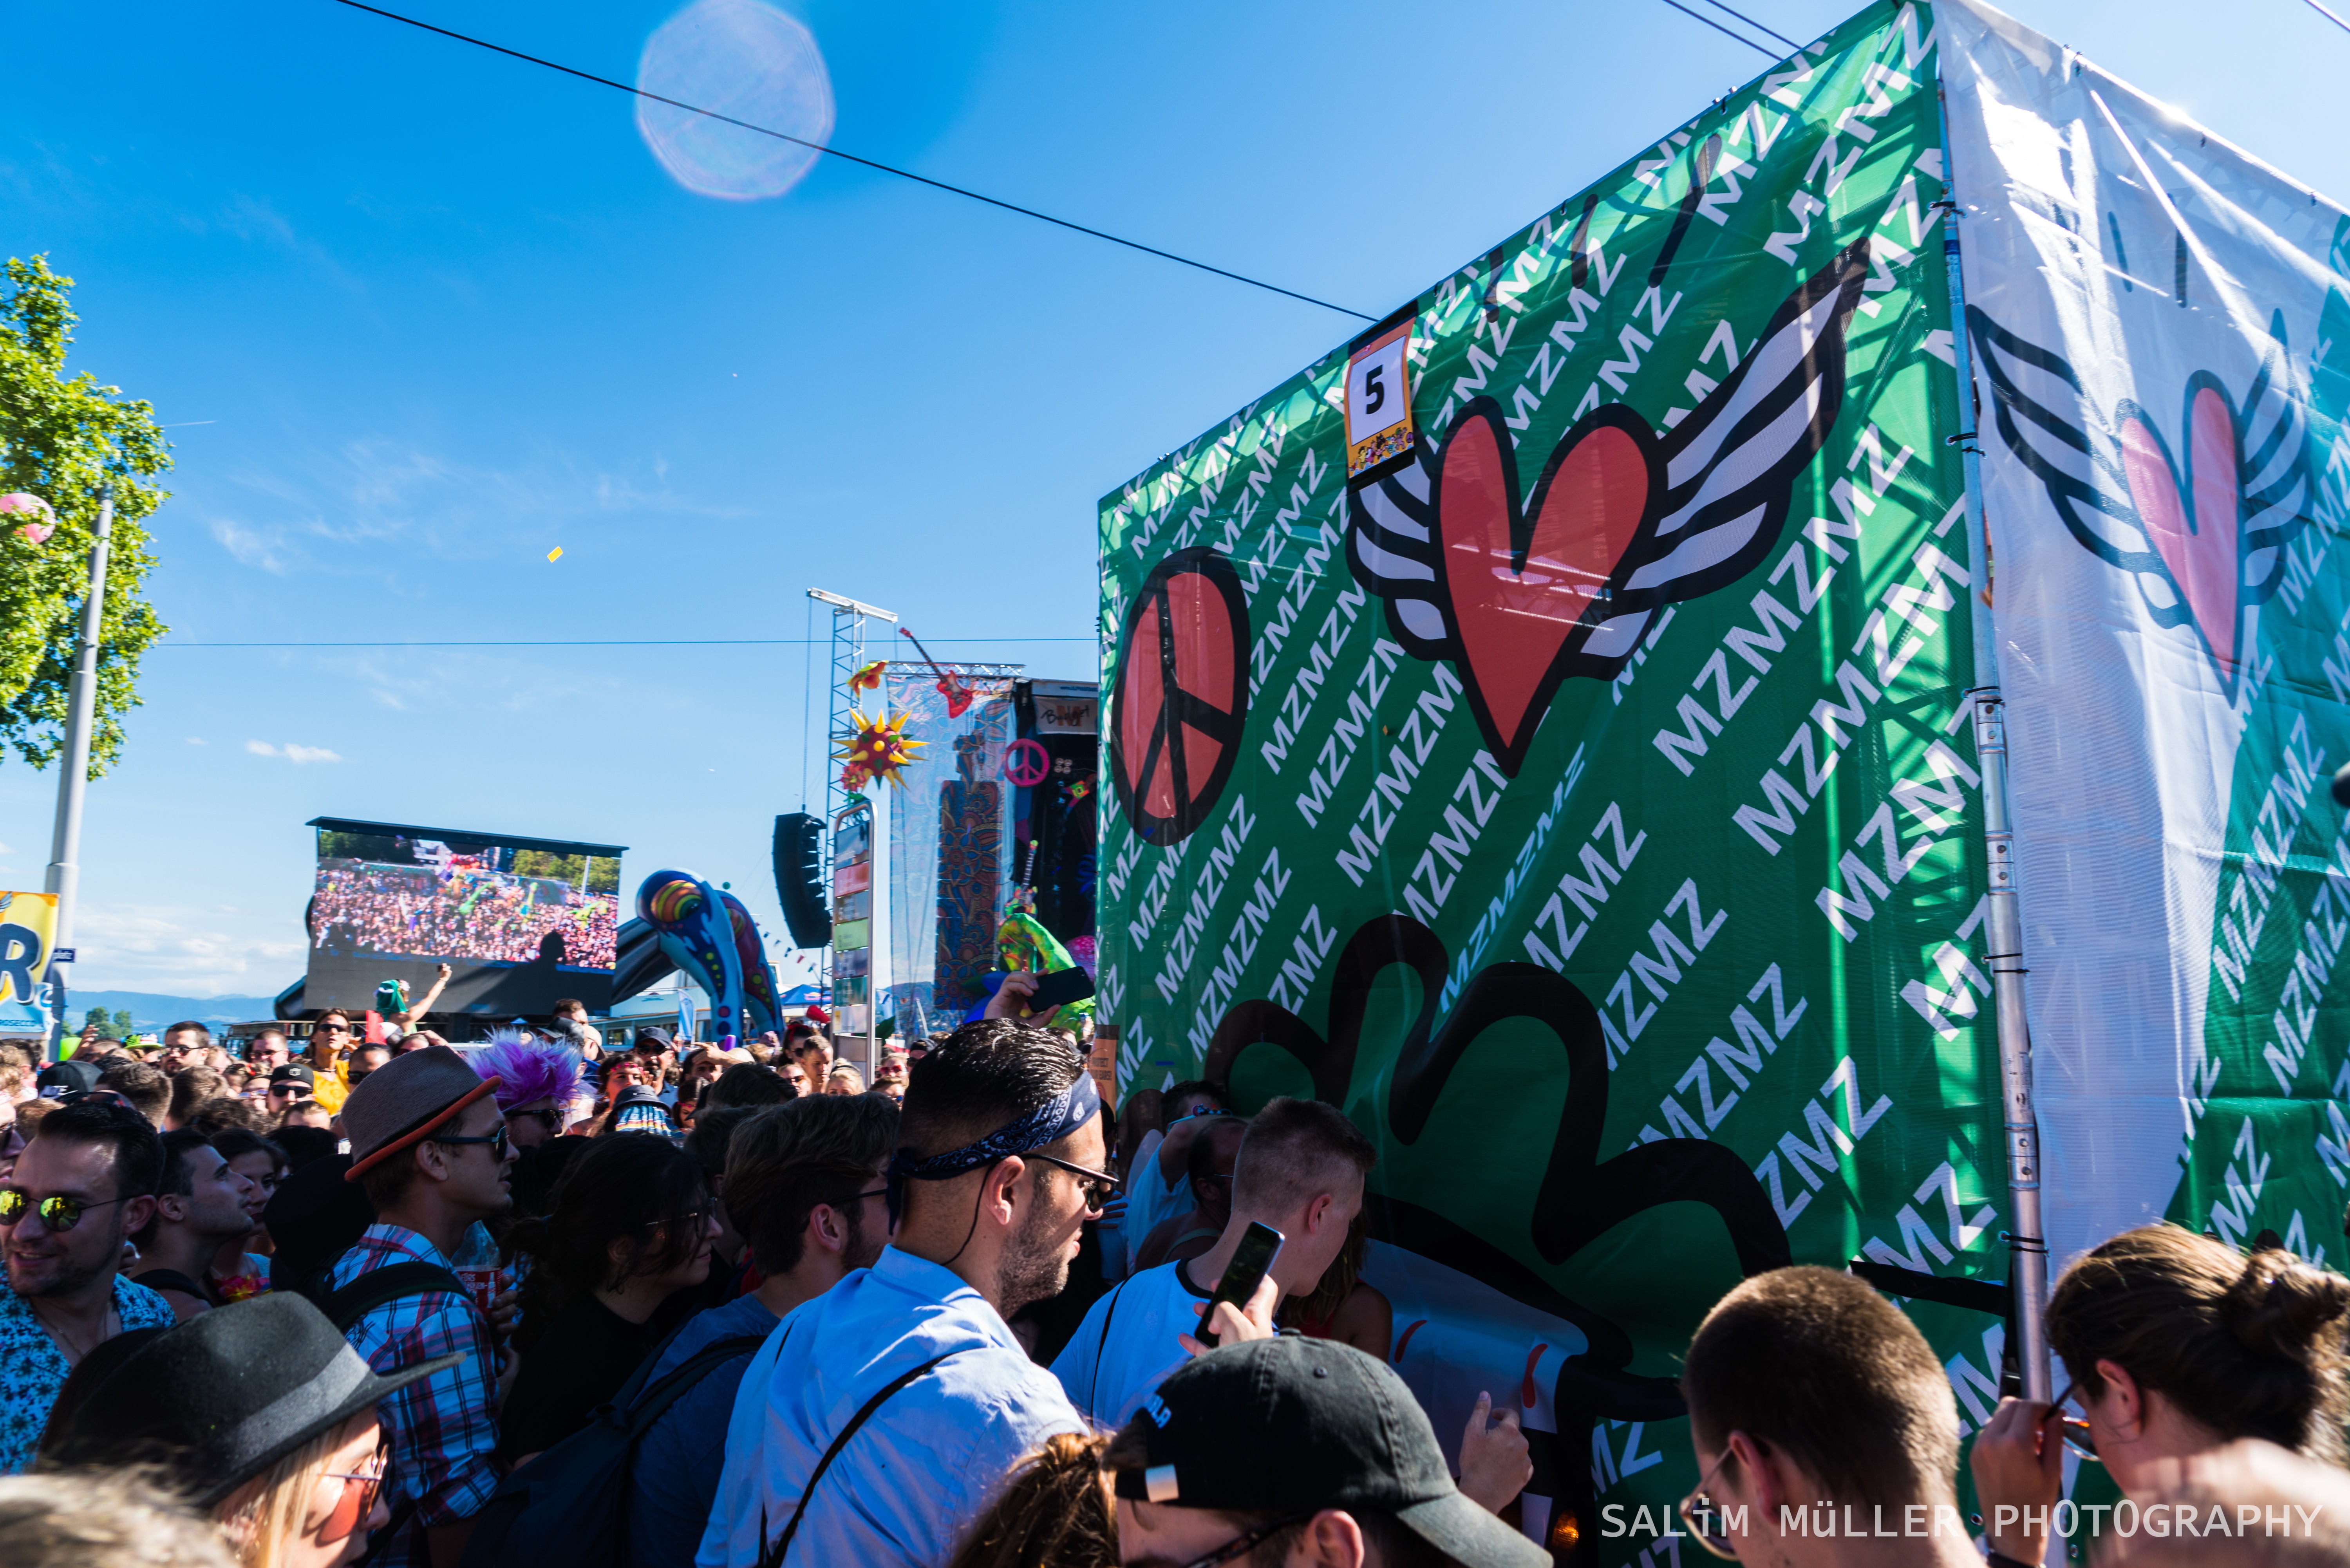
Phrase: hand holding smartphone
{"type": "Point", "coordinates": [1252, 1261]}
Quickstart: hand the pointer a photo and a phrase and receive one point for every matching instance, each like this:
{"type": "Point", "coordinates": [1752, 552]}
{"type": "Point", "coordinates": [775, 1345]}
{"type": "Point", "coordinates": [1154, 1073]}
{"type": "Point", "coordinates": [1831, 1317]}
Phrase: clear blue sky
{"type": "Point", "coordinates": [423, 314]}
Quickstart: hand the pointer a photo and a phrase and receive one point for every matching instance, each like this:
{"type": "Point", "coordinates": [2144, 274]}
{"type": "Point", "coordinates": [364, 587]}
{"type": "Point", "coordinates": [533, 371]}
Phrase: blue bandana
{"type": "Point", "coordinates": [1054, 1120]}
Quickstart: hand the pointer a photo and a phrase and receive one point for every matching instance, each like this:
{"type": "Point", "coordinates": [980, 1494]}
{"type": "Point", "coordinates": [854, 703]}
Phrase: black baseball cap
{"type": "Point", "coordinates": [1292, 1426]}
{"type": "Point", "coordinates": [68, 1079]}
{"type": "Point", "coordinates": [293, 1073]}
{"type": "Point", "coordinates": [652, 1036]}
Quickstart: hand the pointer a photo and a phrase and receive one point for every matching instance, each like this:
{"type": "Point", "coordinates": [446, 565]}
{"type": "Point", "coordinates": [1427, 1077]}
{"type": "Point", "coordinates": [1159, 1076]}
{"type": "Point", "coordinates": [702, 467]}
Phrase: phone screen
{"type": "Point", "coordinates": [1252, 1261]}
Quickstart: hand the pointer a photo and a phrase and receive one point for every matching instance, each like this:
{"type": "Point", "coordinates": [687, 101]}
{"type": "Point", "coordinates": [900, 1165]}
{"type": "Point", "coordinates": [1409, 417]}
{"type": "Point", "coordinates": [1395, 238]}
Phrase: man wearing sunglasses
{"type": "Point", "coordinates": [82, 1184]}
{"type": "Point", "coordinates": [999, 1164]}
{"type": "Point", "coordinates": [1825, 1431]}
{"type": "Point", "coordinates": [431, 1145]}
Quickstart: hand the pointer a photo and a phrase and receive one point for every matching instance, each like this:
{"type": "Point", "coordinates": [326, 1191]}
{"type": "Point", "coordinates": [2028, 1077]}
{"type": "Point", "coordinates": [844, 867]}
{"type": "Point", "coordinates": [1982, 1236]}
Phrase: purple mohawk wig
{"type": "Point", "coordinates": [528, 1069]}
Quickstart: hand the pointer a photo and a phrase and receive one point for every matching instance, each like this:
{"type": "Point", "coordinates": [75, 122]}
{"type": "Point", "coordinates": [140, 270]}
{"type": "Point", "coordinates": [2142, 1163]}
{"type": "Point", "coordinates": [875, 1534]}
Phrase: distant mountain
{"type": "Point", "coordinates": [153, 1012]}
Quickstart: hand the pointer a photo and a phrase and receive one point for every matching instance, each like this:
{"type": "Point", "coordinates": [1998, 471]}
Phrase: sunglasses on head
{"type": "Point", "coordinates": [58, 1214]}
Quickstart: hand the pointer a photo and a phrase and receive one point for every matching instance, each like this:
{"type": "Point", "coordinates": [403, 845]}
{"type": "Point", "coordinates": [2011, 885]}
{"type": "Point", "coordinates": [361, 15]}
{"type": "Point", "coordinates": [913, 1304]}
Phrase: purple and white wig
{"type": "Point", "coordinates": [528, 1069]}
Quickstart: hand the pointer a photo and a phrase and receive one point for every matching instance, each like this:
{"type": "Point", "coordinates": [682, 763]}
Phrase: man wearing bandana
{"type": "Point", "coordinates": [879, 1419]}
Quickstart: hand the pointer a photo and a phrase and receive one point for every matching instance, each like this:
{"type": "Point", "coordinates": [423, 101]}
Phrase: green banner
{"type": "Point", "coordinates": [1582, 794]}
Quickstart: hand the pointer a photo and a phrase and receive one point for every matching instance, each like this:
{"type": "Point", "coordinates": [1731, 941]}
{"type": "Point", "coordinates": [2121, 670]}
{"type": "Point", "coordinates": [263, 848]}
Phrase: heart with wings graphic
{"type": "Point", "coordinates": [2202, 526]}
{"type": "Point", "coordinates": [1622, 522]}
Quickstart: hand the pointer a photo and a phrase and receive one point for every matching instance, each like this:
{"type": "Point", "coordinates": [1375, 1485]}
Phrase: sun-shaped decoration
{"type": "Point", "coordinates": [880, 748]}
{"type": "Point", "coordinates": [866, 678]}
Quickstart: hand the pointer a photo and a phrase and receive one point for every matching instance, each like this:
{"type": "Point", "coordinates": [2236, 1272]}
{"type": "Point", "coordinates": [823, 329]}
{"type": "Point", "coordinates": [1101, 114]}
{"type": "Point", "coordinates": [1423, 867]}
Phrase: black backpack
{"type": "Point", "coordinates": [565, 1506]}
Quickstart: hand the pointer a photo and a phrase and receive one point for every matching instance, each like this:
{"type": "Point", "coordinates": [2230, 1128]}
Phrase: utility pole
{"type": "Point", "coordinates": [65, 849]}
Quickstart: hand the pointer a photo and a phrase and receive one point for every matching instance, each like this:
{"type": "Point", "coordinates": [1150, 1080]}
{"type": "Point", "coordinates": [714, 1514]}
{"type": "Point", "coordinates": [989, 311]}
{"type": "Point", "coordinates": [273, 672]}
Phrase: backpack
{"type": "Point", "coordinates": [344, 1307]}
{"type": "Point", "coordinates": [564, 1506]}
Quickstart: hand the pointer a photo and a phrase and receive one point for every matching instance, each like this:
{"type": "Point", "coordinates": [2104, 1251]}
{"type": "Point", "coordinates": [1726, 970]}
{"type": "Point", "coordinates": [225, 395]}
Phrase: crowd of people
{"type": "Point", "coordinates": [362, 909]}
{"type": "Point", "coordinates": [545, 1299]}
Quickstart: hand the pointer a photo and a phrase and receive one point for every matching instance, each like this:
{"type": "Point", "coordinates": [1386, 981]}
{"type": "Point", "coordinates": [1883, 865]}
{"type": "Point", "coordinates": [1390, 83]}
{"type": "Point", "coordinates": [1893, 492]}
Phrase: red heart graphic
{"type": "Point", "coordinates": [1513, 620]}
{"type": "Point", "coordinates": [2200, 546]}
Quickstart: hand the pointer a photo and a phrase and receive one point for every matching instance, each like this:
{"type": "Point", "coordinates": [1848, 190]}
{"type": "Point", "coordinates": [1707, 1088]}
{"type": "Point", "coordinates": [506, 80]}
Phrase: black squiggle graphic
{"type": "Point", "coordinates": [1580, 1197]}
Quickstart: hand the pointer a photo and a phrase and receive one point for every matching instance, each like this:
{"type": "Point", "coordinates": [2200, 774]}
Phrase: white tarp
{"type": "Point", "coordinates": [2149, 315]}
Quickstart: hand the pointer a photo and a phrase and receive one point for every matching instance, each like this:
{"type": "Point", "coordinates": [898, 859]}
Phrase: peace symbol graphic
{"type": "Point", "coordinates": [1027, 763]}
{"type": "Point", "coordinates": [1182, 694]}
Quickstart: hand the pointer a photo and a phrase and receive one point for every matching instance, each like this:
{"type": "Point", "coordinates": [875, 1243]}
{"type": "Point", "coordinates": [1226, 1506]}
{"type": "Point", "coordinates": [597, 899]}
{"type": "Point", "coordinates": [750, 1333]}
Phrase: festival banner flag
{"type": "Point", "coordinates": [29, 926]}
{"type": "Point", "coordinates": [2162, 338]}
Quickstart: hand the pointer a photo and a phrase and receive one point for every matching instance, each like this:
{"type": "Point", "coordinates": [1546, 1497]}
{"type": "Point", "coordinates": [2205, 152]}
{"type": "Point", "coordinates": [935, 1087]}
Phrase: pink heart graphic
{"type": "Point", "coordinates": [1514, 622]}
{"type": "Point", "coordinates": [2200, 547]}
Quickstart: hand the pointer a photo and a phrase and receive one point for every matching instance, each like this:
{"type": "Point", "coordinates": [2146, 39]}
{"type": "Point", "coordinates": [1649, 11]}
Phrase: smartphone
{"type": "Point", "coordinates": [1059, 988]}
{"type": "Point", "coordinates": [1252, 1261]}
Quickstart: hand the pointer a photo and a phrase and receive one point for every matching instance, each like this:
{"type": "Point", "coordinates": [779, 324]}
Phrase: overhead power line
{"type": "Point", "coordinates": [1676, 5]}
{"type": "Point", "coordinates": [1758, 27]}
{"type": "Point", "coordinates": [635, 91]}
{"type": "Point", "coordinates": [644, 642]}
{"type": "Point", "coordinates": [2330, 15]}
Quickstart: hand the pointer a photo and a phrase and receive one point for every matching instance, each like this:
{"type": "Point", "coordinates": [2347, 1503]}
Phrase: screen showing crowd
{"type": "Point", "coordinates": [380, 895]}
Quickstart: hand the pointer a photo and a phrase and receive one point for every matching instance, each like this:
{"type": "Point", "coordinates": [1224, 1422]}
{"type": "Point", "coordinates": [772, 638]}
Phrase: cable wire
{"type": "Point", "coordinates": [2330, 15]}
{"type": "Point", "coordinates": [1758, 27]}
{"type": "Point", "coordinates": [866, 163]}
{"type": "Point", "coordinates": [647, 642]}
{"type": "Point", "coordinates": [1676, 5]}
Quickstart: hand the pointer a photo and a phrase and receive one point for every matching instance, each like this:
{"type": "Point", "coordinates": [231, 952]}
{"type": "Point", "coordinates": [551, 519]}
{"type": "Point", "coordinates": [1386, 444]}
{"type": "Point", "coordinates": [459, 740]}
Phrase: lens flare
{"type": "Point", "coordinates": [743, 58]}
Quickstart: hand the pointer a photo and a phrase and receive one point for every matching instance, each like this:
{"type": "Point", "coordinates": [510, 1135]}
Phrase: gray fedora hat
{"type": "Point", "coordinates": [410, 1095]}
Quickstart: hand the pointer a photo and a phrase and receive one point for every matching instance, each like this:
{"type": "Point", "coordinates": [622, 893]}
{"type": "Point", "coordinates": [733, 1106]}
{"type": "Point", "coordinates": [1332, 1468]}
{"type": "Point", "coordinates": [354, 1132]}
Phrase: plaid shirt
{"type": "Point", "coordinates": [444, 1427]}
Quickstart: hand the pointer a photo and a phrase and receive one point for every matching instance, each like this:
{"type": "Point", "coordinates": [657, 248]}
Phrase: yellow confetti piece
{"type": "Point", "coordinates": [556, 554]}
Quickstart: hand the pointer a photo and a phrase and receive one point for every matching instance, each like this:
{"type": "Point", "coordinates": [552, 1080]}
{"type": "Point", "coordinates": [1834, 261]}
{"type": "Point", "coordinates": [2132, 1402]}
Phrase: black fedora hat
{"type": "Point", "coordinates": [225, 1396]}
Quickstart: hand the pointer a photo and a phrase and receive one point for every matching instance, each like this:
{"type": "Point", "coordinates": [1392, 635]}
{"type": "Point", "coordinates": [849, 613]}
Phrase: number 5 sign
{"type": "Point", "coordinates": [1378, 401]}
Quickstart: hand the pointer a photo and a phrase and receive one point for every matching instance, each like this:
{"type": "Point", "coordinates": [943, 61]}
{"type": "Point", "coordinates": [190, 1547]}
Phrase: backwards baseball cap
{"type": "Point", "coordinates": [1293, 1426]}
{"type": "Point", "coordinates": [68, 1079]}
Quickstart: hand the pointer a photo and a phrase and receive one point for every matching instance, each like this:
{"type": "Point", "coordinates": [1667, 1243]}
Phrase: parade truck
{"type": "Point", "coordinates": [1782, 714]}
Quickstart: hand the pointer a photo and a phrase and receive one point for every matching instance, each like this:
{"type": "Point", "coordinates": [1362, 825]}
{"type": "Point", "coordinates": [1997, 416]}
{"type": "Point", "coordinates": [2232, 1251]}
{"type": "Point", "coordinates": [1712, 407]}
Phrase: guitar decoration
{"type": "Point", "coordinates": [1621, 523]}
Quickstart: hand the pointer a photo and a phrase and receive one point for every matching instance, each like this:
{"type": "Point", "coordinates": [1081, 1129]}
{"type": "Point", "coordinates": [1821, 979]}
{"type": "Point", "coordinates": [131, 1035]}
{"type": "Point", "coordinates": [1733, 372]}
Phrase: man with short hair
{"type": "Point", "coordinates": [803, 1185]}
{"type": "Point", "coordinates": [266, 1051]}
{"type": "Point", "coordinates": [182, 1040]}
{"type": "Point", "coordinates": [430, 1145]}
{"type": "Point", "coordinates": [201, 1205]}
{"type": "Point", "coordinates": [998, 1166]}
{"type": "Point", "coordinates": [191, 1086]}
{"type": "Point", "coordinates": [1300, 1452]}
{"type": "Point", "coordinates": [571, 1015]}
{"type": "Point", "coordinates": [143, 1083]}
{"type": "Point", "coordinates": [367, 1059]}
{"type": "Point", "coordinates": [1300, 1170]}
{"type": "Point", "coordinates": [330, 1036]}
{"type": "Point", "coordinates": [82, 1184]}
{"type": "Point", "coordinates": [1806, 1386]}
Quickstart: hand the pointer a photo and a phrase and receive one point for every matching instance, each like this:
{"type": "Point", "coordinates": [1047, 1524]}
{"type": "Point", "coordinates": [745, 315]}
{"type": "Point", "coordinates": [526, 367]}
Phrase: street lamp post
{"type": "Point", "coordinates": [65, 849]}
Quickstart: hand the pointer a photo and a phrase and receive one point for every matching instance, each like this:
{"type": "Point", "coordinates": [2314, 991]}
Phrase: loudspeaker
{"type": "Point", "coordinates": [801, 880]}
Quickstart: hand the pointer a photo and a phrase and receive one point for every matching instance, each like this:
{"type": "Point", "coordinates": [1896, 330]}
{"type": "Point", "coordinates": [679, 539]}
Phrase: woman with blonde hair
{"type": "Point", "coordinates": [261, 1415]}
{"type": "Point", "coordinates": [2175, 1346]}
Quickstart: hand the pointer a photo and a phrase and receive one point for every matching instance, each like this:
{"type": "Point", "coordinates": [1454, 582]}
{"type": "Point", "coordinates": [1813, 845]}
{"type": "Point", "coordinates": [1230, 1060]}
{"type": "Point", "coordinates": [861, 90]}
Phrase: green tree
{"type": "Point", "coordinates": [98, 1019]}
{"type": "Point", "coordinates": [60, 438]}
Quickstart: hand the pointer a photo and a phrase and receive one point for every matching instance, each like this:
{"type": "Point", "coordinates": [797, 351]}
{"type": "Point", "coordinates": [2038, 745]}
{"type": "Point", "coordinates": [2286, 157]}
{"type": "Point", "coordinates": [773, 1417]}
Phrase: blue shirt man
{"type": "Point", "coordinates": [998, 1167]}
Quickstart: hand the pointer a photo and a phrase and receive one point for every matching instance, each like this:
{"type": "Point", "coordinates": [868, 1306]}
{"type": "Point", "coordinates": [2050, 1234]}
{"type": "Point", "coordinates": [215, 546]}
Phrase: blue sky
{"type": "Point", "coordinates": [420, 313]}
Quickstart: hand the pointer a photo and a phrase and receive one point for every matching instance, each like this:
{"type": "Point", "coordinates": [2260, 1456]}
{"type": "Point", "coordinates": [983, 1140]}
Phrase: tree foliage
{"type": "Point", "coordinates": [60, 438]}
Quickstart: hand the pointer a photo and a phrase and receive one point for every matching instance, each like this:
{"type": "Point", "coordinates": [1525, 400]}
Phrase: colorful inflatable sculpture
{"type": "Point", "coordinates": [713, 941]}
